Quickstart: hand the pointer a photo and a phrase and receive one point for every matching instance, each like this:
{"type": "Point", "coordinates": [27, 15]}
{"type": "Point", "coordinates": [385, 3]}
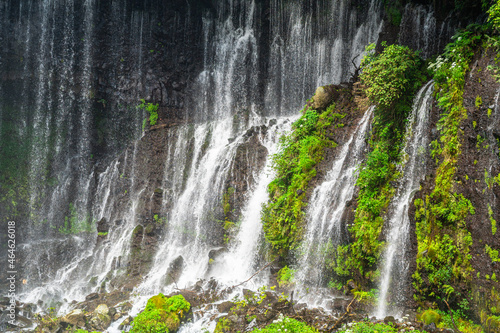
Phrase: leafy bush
{"type": "Point", "coordinates": [152, 110]}
{"type": "Point", "coordinates": [285, 324]}
{"type": "Point", "coordinates": [285, 276]}
{"type": "Point", "coordinates": [392, 78]}
{"type": "Point", "coordinates": [494, 15]}
{"type": "Point", "coordinates": [161, 315]}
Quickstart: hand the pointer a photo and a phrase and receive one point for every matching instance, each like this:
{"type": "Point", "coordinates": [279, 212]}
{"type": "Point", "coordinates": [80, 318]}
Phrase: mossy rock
{"type": "Point", "coordinates": [430, 316]}
{"type": "Point", "coordinates": [138, 230]}
{"type": "Point", "coordinates": [150, 229]}
{"type": "Point", "coordinates": [321, 99]}
{"type": "Point", "coordinates": [161, 315]}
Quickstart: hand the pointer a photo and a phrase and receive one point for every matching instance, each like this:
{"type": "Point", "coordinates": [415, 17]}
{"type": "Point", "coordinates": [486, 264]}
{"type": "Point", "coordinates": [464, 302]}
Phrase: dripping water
{"type": "Point", "coordinates": [395, 263]}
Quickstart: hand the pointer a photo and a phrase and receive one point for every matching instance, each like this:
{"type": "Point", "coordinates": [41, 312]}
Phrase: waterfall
{"type": "Point", "coordinates": [188, 237]}
{"type": "Point", "coordinates": [70, 89]}
{"type": "Point", "coordinates": [327, 205]}
{"type": "Point", "coordinates": [420, 30]}
{"type": "Point", "coordinates": [395, 263]}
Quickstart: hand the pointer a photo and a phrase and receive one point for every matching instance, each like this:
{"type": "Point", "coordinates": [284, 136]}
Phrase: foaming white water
{"type": "Point", "coordinates": [395, 264]}
{"type": "Point", "coordinates": [328, 203]}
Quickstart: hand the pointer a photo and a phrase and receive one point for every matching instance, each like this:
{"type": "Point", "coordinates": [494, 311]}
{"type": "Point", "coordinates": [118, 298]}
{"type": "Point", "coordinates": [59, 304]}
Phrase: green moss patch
{"type": "Point", "coordinates": [161, 315]}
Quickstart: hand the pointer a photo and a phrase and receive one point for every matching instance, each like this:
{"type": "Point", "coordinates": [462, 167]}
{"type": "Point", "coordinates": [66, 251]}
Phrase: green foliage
{"type": "Point", "coordinates": [295, 165]}
{"type": "Point", "coordinates": [392, 78]}
{"type": "Point", "coordinates": [228, 225]}
{"type": "Point", "coordinates": [85, 331]}
{"type": "Point", "coordinates": [463, 324]}
{"type": "Point", "coordinates": [285, 324]}
{"type": "Point", "coordinates": [286, 276]}
{"type": "Point", "coordinates": [492, 221]}
{"type": "Point", "coordinates": [160, 220]}
{"type": "Point", "coordinates": [492, 253]}
{"type": "Point", "coordinates": [223, 325]}
{"type": "Point", "coordinates": [151, 109]}
{"type": "Point", "coordinates": [494, 15]}
{"type": "Point", "coordinates": [478, 102]}
{"type": "Point", "coordinates": [161, 315]}
{"type": "Point", "coordinates": [102, 234]}
{"type": "Point", "coordinates": [368, 327]}
{"type": "Point", "coordinates": [443, 239]}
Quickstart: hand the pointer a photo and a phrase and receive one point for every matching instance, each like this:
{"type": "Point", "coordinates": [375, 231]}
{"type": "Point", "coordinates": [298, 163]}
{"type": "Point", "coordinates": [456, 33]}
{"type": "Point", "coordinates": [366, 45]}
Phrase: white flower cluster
{"type": "Point", "coordinates": [440, 61]}
{"type": "Point", "coordinates": [281, 319]}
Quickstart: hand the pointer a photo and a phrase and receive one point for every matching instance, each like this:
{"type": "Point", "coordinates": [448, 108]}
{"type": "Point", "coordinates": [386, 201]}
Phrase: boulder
{"type": "Point", "coordinates": [225, 306]}
{"type": "Point", "coordinates": [74, 318]}
{"type": "Point", "coordinates": [174, 270]}
{"type": "Point", "coordinates": [100, 319]}
{"type": "Point", "coordinates": [322, 98]}
{"type": "Point", "coordinates": [102, 225]}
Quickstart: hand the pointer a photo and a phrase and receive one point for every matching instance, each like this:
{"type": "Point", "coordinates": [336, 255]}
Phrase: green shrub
{"type": "Point", "coordinates": [392, 78]}
{"type": "Point", "coordinates": [494, 15]}
{"type": "Point", "coordinates": [152, 110]}
{"type": "Point", "coordinates": [285, 324]}
{"type": "Point", "coordinates": [161, 315]}
{"type": "Point", "coordinates": [286, 276]}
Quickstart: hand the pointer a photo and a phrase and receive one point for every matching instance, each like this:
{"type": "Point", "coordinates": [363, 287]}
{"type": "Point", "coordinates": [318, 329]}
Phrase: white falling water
{"type": "Point", "coordinates": [421, 31]}
{"type": "Point", "coordinates": [395, 264]}
{"type": "Point", "coordinates": [328, 203]}
{"type": "Point", "coordinates": [239, 263]}
{"type": "Point", "coordinates": [314, 48]}
{"type": "Point", "coordinates": [306, 49]}
{"type": "Point", "coordinates": [187, 236]}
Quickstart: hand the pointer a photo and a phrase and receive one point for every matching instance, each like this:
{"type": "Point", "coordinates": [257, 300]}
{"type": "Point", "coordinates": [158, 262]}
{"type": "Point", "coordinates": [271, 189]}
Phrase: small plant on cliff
{"type": "Point", "coordinates": [152, 110]}
{"type": "Point", "coordinates": [161, 315]}
{"type": "Point", "coordinates": [286, 276]}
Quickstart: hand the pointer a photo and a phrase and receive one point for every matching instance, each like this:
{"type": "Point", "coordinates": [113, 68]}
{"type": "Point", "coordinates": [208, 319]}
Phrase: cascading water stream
{"type": "Point", "coordinates": [395, 263]}
{"type": "Point", "coordinates": [328, 203]}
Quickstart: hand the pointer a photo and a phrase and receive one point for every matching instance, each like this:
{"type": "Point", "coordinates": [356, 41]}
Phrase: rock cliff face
{"type": "Point", "coordinates": [477, 167]}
